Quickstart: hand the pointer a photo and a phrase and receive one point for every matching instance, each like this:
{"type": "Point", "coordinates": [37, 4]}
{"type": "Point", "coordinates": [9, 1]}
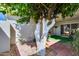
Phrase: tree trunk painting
{"type": "Point", "coordinates": [41, 39]}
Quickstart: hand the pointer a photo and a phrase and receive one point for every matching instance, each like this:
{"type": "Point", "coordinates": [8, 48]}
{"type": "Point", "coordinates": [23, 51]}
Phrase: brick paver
{"type": "Point", "coordinates": [29, 49]}
{"type": "Point", "coordinates": [56, 49]}
{"type": "Point", "coordinates": [59, 49]}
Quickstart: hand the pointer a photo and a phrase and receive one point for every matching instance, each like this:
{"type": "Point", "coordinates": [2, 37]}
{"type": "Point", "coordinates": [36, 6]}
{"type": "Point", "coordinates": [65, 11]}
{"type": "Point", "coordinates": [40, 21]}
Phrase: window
{"type": "Point", "coordinates": [65, 29]}
{"type": "Point", "coordinates": [74, 26]}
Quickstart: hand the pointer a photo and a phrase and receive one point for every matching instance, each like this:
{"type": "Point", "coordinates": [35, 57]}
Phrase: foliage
{"type": "Point", "coordinates": [75, 43]}
{"type": "Point", "coordinates": [67, 9]}
{"type": "Point", "coordinates": [37, 10]}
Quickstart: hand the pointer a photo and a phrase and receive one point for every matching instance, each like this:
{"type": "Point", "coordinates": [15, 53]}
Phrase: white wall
{"type": "Point", "coordinates": [57, 30]}
{"type": "Point", "coordinates": [4, 36]}
{"type": "Point", "coordinates": [5, 25]}
{"type": "Point", "coordinates": [12, 35]}
{"type": "Point", "coordinates": [12, 17]}
{"type": "Point", "coordinates": [27, 31]}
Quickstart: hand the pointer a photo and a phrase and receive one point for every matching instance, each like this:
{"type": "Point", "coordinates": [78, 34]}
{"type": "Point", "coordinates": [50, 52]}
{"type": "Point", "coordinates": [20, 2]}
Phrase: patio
{"type": "Point", "coordinates": [53, 48]}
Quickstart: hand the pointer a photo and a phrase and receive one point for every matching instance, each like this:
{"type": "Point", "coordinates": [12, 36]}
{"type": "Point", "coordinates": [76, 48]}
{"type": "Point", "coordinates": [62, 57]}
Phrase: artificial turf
{"type": "Point", "coordinates": [59, 38]}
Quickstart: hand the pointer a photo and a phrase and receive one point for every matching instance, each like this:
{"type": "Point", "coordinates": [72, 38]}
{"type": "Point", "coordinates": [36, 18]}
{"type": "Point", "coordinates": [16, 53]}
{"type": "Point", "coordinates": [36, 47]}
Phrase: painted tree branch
{"type": "Point", "coordinates": [39, 41]}
{"type": "Point", "coordinates": [47, 21]}
{"type": "Point", "coordinates": [52, 24]}
{"type": "Point", "coordinates": [45, 6]}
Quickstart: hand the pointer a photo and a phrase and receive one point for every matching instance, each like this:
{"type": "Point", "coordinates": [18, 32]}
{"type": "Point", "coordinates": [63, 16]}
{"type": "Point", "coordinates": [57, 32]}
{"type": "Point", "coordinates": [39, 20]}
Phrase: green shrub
{"type": "Point", "coordinates": [75, 43]}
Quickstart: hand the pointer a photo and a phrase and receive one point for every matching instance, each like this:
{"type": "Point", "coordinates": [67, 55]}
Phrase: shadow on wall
{"type": "Point", "coordinates": [4, 41]}
{"type": "Point", "coordinates": [27, 31]}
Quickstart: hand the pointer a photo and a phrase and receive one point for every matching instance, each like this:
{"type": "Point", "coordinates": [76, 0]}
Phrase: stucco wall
{"type": "Point", "coordinates": [27, 31]}
{"type": "Point", "coordinates": [5, 25]}
{"type": "Point", "coordinates": [12, 35]}
{"type": "Point", "coordinates": [4, 36]}
{"type": "Point", "coordinates": [69, 21]}
{"type": "Point", "coordinates": [57, 31]}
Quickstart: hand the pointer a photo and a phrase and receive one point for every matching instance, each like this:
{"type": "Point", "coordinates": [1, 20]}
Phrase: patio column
{"type": "Point", "coordinates": [70, 28]}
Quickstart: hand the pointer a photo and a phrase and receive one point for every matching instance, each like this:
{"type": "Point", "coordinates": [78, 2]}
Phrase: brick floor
{"type": "Point", "coordinates": [57, 49]}
{"type": "Point", "coordinates": [29, 49]}
{"type": "Point", "coordinates": [14, 50]}
{"type": "Point", "coordinates": [7, 53]}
